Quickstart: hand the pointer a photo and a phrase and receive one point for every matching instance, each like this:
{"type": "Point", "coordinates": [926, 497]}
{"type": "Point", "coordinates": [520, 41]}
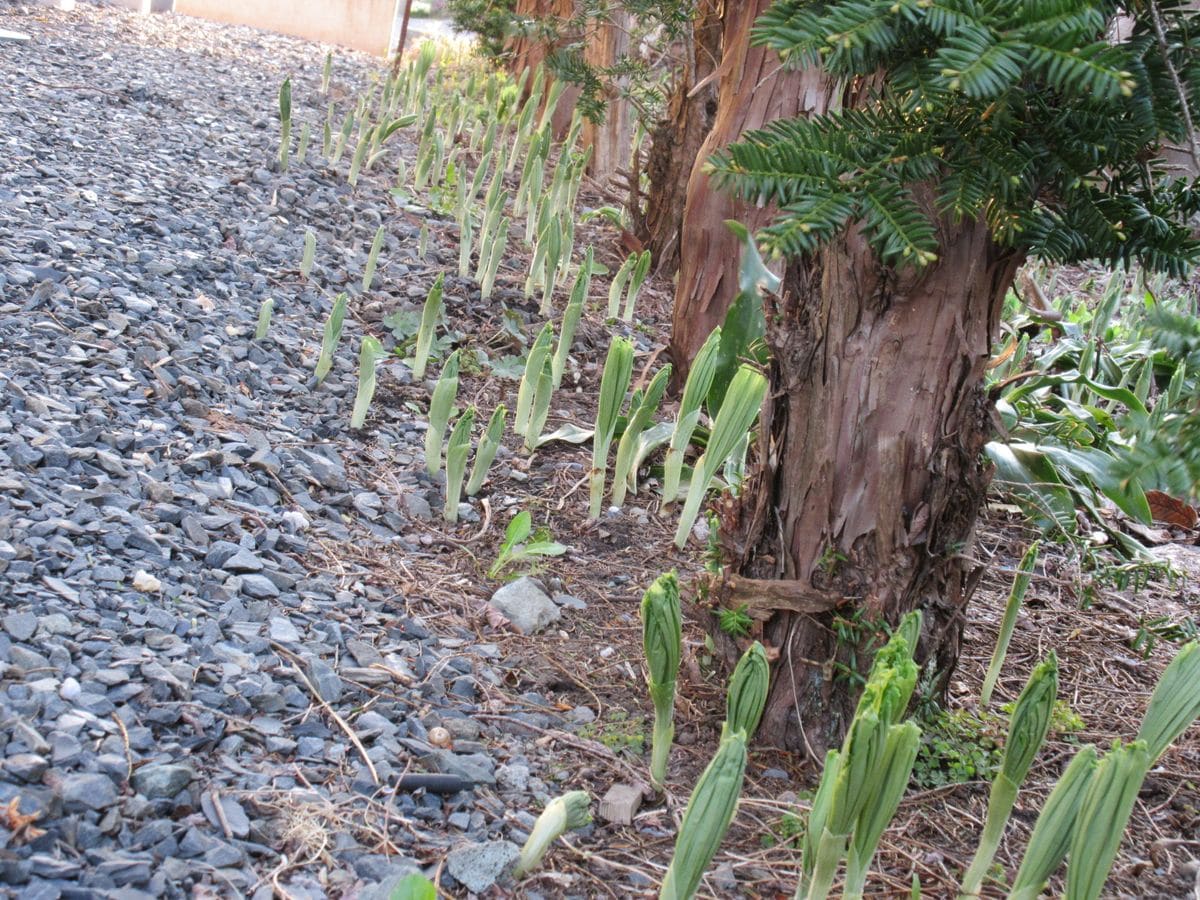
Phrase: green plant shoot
{"type": "Point", "coordinates": [485, 453]}
{"type": "Point", "coordinates": [662, 641]}
{"type": "Point", "coordinates": [429, 317]}
{"type": "Point", "coordinates": [614, 382]}
{"type": "Point", "coordinates": [457, 448]}
{"type": "Point", "coordinates": [373, 258]}
{"type": "Point", "coordinates": [368, 357]}
{"type": "Point", "coordinates": [738, 412]}
{"type": "Point", "coordinates": [1015, 598]}
{"type": "Point", "coordinates": [333, 334]}
{"type": "Point", "coordinates": [441, 405]}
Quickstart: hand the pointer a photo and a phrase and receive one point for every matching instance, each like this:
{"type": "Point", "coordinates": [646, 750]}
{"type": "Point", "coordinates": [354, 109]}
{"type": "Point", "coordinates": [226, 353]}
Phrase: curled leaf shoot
{"type": "Point", "coordinates": [333, 334]}
{"type": "Point", "coordinates": [614, 382]}
{"type": "Point", "coordinates": [369, 355]}
{"type": "Point", "coordinates": [709, 811]}
{"type": "Point", "coordinates": [1175, 703]}
{"type": "Point", "coordinates": [617, 286]}
{"type": "Point", "coordinates": [1026, 734]}
{"type": "Point", "coordinates": [430, 314]}
{"type": "Point", "coordinates": [373, 258]}
{"type": "Point", "coordinates": [457, 448]}
{"type": "Point", "coordinates": [285, 122]}
{"type": "Point", "coordinates": [747, 694]}
{"type": "Point", "coordinates": [441, 405]}
{"type": "Point", "coordinates": [562, 814]}
{"type": "Point", "coordinates": [741, 407]}
{"type": "Point", "coordinates": [310, 252]}
{"type": "Point", "coordinates": [639, 421]}
{"type": "Point", "coordinates": [636, 279]}
{"type": "Point", "coordinates": [662, 642]}
{"type": "Point", "coordinates": [534, 364]}
{"type": "Point", "coordinates": [264, 319]}
{"type": "Point", "coordinates": [1009, 620]}
{"type": "Point", "coordinates": [1051, 838]}
{"type": "Point", "coordinates": [695, 389]}
{"type": "Point", "coordinates": [485, 453]}
{"type": "Point", "coordinates": [571, 315]}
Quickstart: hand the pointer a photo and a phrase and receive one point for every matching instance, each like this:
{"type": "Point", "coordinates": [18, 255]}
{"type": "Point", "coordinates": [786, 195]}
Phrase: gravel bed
{"type": "Point", "coordinates": [178, 645]}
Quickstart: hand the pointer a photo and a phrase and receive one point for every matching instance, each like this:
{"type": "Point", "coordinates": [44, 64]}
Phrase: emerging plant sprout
{"type": "Point", "coordinates": [429, 316]}
{"type": "Point", "coordinates": [457, 449]}
{"type": "Point", "coordinates": [738, 412]}
{"type": "Point", "coordinates": [333, 334]}
{"type": "Point", "coordinates": [441, 405]}
{"type": "Point", "coordinates": [285, 122]}
{"type": "Point", "coordinates": [618, 367]}
{"type": "Point", "coordinates": [486, 451]}
{"type": "Point", "coordinates": [562, 814]}
{"type": "Point", "coordinates": [264, 319]}
{"type": "Point", "coordinates": [310, 252]}
{"type": "Point", "coordinates": [662, 641]}
{"type": "Point", "coordinates": [368, 357]}
{"type": "Point", "coordinates": [373, 259]}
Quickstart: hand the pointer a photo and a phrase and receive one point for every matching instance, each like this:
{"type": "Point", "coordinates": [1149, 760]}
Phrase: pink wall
{"type": "Point", "coordinates": [361, 24]}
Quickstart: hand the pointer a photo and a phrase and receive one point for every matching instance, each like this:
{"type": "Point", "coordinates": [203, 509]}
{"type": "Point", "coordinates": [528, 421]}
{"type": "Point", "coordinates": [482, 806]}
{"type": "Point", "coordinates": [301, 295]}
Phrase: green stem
{"type": "Point", "coordinates": [830, 851]}
{"type": "Point", "coordinates": [1000, 804]}
{"type": "Point", "coordinates": [663, 734]}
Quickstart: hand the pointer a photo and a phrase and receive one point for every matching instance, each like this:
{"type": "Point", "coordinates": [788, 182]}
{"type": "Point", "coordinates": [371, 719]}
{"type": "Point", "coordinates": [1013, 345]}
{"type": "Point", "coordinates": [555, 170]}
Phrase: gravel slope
{"type": "Point", "coordinates": [177, 629]}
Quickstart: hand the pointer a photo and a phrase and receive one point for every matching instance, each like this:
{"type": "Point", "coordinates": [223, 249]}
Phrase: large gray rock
{"type": "Point", "coordinates": [525, 604]}
{"type": "Point", "coordinates": [478, 866]}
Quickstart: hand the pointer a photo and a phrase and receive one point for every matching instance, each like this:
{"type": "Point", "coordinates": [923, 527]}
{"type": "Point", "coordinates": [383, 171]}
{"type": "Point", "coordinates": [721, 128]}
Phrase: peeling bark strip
{"type": "Point", "coordinates": [877, 503]}
{"type": "Point", "coordinates": [754, 90]}
{"type": "Point", "coordinates": [763, 597]}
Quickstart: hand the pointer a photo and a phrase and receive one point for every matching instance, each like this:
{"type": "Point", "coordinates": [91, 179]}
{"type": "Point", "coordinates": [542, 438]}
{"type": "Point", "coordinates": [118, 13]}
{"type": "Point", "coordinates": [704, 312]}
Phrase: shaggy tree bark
{"type": "Point", "coordinates": [528, 51]}
{"type": "Point", "coordinates": [872, 472]}
{"type": "Point", "coordinates": [677, 138]}
{"type": "Point", "coordinates": [754, 89]}
{"type": "Point", "coordinates": [611, 139]}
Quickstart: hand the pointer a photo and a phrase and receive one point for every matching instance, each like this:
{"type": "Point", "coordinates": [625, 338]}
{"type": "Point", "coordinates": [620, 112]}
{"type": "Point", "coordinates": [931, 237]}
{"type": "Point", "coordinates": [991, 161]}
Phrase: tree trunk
{"type": "Point", "coordinates": [677, 139]}
{"type": "Point", "coordinates": [874, 475]}
{"type": "Point", "coordinates": [754, 90]}
{"type": "Point", "coordinates": [612, 139]}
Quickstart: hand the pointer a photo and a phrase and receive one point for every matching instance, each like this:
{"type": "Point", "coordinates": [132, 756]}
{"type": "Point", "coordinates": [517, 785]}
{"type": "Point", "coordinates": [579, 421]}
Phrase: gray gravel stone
{"type": "Point", "coordinates": [525, 604]}
{"type": "Point", "coordinates": [477, 867]}
{"type": "Point", "coordinates": [162, 782]}
{"type": "Point", "coordinates": [88, 791]}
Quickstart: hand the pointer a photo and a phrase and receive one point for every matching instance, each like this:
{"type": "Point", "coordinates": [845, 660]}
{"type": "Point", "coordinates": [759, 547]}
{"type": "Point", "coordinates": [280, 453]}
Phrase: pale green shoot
{"type": "Point", "coordinates": [333, 334]}
{"type": "Point", "coordinates": [429, 317]}
{"type": "Point", "coordinates": [441, 405]}
{"type": "Point", "coordinates": [457, 448]}
{"type": "Point", "coordinates": [373, 258]}
{"type": "Point", "coordinates": [639, 421]}
{"type": "Point", "coordinates": [485, 453]}
{"type": "Point", "coordinates": [737, 414]}
{"type": "Point", "coordinates": [1015, 597]}
{"type": "Point", "coordinates": [618, 367]}
{"type": "Point", "coordinates": [368, 357]}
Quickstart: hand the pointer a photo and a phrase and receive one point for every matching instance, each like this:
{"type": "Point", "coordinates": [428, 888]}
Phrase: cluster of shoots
{"type": "Point", "coordinates": [862, 783]}
{"type": "Point", "coordinates": [628, 281]}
